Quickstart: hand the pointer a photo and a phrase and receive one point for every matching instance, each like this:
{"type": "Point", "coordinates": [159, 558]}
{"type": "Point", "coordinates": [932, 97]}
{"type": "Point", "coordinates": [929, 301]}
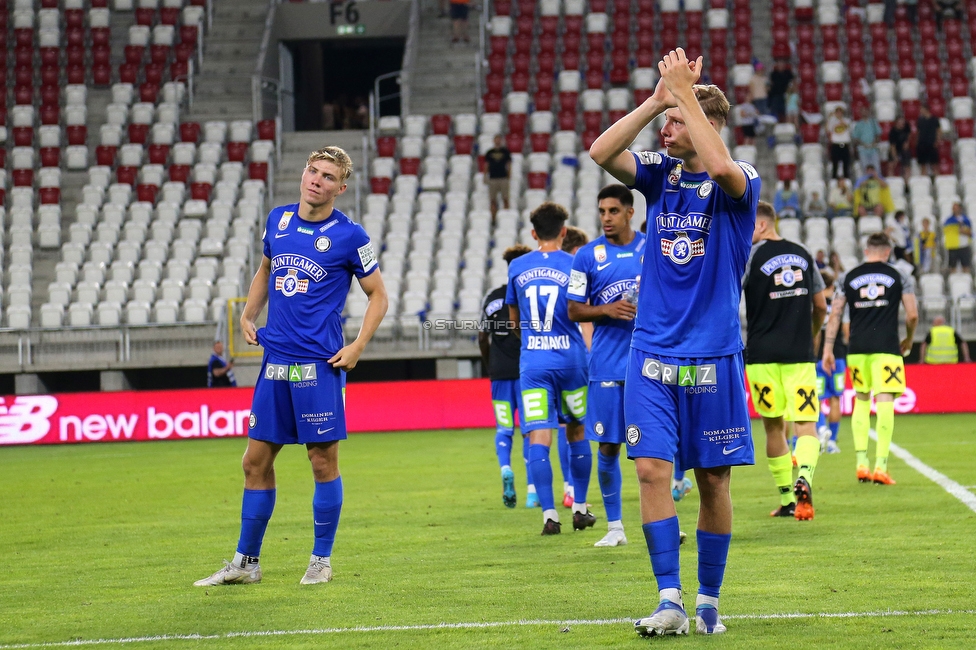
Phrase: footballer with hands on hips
{"type": "Point", "coordinates": [311, 253]}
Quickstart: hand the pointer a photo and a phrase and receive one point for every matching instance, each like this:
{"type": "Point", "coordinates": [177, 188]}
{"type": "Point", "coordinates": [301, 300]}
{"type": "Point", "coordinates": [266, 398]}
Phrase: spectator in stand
{"type": "Point", "coordinates": [787, 201]}
{"type": "Point", "coordinates": [899, 149]}
{"type": "Point", "coordinates": [779, 82]}
{"type": "Point", "coordinates": [443, 6]}
{"type": "Point", "coordinates": [925, 246]}
{"type": "Point", "coordinates": [815, 206]}
{"type": "Point", "coordinates": [946, 10]}
{"type": "Point", "coordinates": [459, 21]}
{"type": "Point", "coordinates": [498, 166]}
{"type": "Point", "coordinates": [839, 135]}
{"type": "Point", "coordinates": [871, 194]}
{"type": "Point", "coordinates": [865, 135]}
{"type": "Point", "coordinates": [957, 234]}
{"type": "Point", "coordinates": [901, 235]}
{"type": "Point", "coordinates": [835, 264]}
{"type": "Point", "coordinates": [220, 373]}
{"type": "Point", "coordinates": [841, 199]}
{"type": "Point", "coordinates": [927, 143]}
{"type": "Point", "coordinates": [793, 105]}
{"type": "Point", "coordinates": [821, 259]}
{"type": "Point", "coordinates": [942, 345]}
{"type": "Point", "coordinates": [759, 88]}
{"type": "Point", "coordinates": [746, 118]}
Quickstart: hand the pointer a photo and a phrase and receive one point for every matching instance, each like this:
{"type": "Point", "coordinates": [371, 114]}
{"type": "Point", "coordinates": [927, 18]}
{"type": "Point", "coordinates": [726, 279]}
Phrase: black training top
{"type": "Point", "coordinates": [873, 291]}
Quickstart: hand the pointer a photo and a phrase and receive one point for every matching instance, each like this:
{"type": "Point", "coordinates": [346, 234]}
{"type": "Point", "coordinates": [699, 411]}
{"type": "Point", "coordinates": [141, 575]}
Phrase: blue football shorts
{"type": "Point", "coordinates": [605, 412]}
{"type": "Point", "coordinates": [505, 400]}
{"type": "Point", "coordinates": [552, 397]}
{"type": "Point", "coordinates": [693, 411]}
{"type": "Point", "coordinates": [832, 385]}
{"type": "Point", "coordinates": [298, 402]}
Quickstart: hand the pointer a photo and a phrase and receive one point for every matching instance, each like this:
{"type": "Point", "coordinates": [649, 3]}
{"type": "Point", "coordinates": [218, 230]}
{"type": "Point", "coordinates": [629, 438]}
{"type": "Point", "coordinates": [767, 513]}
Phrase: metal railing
{"type": "Point", "coordinates": [409, 57]}
{"type": "Point", "coordinates": [479, 57]}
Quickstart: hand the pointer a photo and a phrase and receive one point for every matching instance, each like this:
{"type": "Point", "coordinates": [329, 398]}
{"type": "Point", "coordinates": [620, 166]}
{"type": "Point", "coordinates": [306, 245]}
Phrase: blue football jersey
{"type": "Point", "coordinates": [602, 273]}
{"type": "Point", "coordinates": [698, 241]}
{"type": "Point", "coordinates": [312, 265]}
{"type": "Point", "coordinates": [537, 284]}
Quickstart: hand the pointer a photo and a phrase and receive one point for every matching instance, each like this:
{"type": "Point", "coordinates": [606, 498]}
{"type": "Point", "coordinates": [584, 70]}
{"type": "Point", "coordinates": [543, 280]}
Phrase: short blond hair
{"type": "Point", "coordinates": [714, 103]}
{"type": "Point", "coordinates": [335, 155]}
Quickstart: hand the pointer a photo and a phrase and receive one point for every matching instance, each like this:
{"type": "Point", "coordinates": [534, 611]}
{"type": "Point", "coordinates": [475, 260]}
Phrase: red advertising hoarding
{"type": "Point", "coordinates": [388, 406]}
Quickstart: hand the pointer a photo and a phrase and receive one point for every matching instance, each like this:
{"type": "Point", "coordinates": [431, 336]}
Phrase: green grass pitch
{"type": "Point", "coordinates": [104, 541]}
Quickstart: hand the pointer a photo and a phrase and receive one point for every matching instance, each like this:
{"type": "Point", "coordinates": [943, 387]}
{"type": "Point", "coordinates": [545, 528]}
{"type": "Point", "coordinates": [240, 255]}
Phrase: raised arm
{"type": "Point", "coordinates": [680, 77]}
{"type": "Point", "coordinates": [610, 149]}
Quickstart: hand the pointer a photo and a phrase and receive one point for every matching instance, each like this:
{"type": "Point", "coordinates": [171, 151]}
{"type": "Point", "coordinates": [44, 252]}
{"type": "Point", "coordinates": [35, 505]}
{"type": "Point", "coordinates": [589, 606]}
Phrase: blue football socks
{"type": "Point", "coordinates": [326, 506]}
{"type": "Point", "coordinates": [562, 446]}
{"type": "Point", "coordinates": [503, 447]}
{"type": "Point", "coordinates": [581, 466]}
{"type": "Point", "coordinates": [713, 551]}
{"type": "Point", "coordinates": [256, 510]}
{"type": "Point", "coordinates": [611, 482]}
{"type": "Point", "coordinates": [834, 428]}
{"type": "Point", "coordinates": [541, 472]}
{"type": "Point", "coordinates": [663, 539]}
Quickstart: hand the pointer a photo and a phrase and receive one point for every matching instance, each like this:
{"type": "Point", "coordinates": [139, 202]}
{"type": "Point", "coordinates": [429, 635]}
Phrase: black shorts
{"type": "Point", "coordinates": [927, 154]}
{"type": "Point", "coordinates": [961, 256]}
{"type": "Point", "coordinates": [459, 12]}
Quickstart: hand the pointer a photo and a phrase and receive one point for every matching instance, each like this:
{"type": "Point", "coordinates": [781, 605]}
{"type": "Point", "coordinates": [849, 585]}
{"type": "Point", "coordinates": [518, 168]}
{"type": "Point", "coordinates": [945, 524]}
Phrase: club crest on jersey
{"type": "Point", "coordinates": [289, 284]}
{"type": "Point", "coordinates": [788, 276]}
{"type": "Point", "coordinates": [285, 220]}
{"type": "Point", "coordinates": [681, 250]}
{"type": "Point", "coordinates": [872, 291]}
{"type": "Point", "coordinates": [600, 253]}
{"type": "Point", "coordinates": [323, 244]}
{"type": "Point", "coordinates": [704, 189]}
{"type": "Point", "coordinates": [675, 174]}
{"type": "Point", "coordinates": [598, 429]}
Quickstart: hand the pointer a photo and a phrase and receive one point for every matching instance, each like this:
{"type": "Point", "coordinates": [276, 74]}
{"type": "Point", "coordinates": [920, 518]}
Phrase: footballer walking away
{"type": "Point", "coordinates": [684, 397]}
{"type": "Point", "coordinates": [311, 253]}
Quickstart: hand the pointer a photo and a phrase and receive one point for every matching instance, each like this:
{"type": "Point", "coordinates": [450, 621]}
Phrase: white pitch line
{"type": "Point", "coordinates": [459, 626]}
{"type": "Point", "coordinates": [955, 489]}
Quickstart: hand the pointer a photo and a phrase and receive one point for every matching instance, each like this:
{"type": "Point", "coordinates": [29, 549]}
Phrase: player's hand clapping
{"type": "Point", "coordinates": [677, 72]}
{"type": "Point", "coordinates": [621, 310]}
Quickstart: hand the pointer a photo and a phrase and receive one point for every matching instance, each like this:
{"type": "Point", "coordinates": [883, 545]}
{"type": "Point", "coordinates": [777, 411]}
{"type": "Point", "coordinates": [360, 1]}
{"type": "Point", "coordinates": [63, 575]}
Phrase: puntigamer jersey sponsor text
{"type": "Point", "coordinates": [698, 240]}
{"type": "Point", "coordinates": [873, 291]}
{"type": "Point", "coordinates": [537, 284]}
{"type": "Point", "coordinates": [312, 265]}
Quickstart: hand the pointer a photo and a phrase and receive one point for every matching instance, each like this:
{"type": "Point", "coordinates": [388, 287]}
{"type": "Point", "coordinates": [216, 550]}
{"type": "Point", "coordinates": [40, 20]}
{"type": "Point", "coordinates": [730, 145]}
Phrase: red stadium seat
{"type": "Point", "coordinates": [492, 103]}
{"type": "Point", "coordinates": [102, 75]}
{"type": "Point", "coordinates": [50, 56]}
{"type": "Point", "coordinates": [158, 154]}
{"type": "Point", "coordinates": [571, 60]}
{"type": "Point", "coordinates": [149, 92]}
{"type": "Point", "coordinates": [189, 34]}
{"type": "Point", "coordinates": [169, 15]}
{"type": "Point", "coordinates": [237, 151]}
{"type": "Point", "coordinates": [23, 177]}
{"type": "Point", "coordinates": [594, 79]}
{"type": "Point", "coordinates": [50, 75]}
{"type": "Point", "coordinates": [964, 128]}
{"type": "Point", "coordinates": [23, 136]}
{"type": "Point", "coordinates": [145, 16]}
{"type": "Point", "coordinates": [520, 81]}
{"type": "Point", "coordinates": [24, 37]}
{"type": "Point", "coordinates": [592, 120]}
{"type": "Point", "coordinates": [74, 18]}
{"type": "Point", "coordinates": [386, 146]}
{"type": "Point", "coordinates": [153, 73]}
{"type": "Point", "coordinates": [810, 133]}
{"type": "Point", "coordinates": [538, 180]}
{"type": "Point", "coordinates": [50, 156]}
{"type": "Point", "coordinates": [258, 171]}
{"type": "Point", "coordinates": [641, 95]}
{"type": "Point", "coordinates": [200, 191]}
{"type": "Point", "coordinates": [49, 195]}
{"type": "Point", "coordinates": [543, 100]}
{"type": "Point", "coordinates": [127, 73]}
{"type": "Point", "coordinates": [77, 135]}
{"type": "Point", "coordinates": [440, 124]}
{"type": "Point", "coordinates": [50, 115]}
{"type": "Point", "coordinates": [515, 142]}
{"type": "Point", "coordinates": [134, 54]}
{"type": "Point", "coordinates": [50, 96]}
{"type": "Point", "coordinates": [127, 175]}
{"type": "Point", "coordinates": [463, 144]}
{"type": "Point", "coordinates": [376, 185]}
{"type": "Point", "coordinates": [146, 193]}
{"type": "Point", "coordinates": [159, 53]}
{"type": "Point", "coordinates": [179, 173]}
{"type": "Point", "coordinates": [182, 52]}
{"type": "Point", "coordinates": [23, 96]}
{"type": "Point", "coordinates": [567, 121]}
{"type": "Point", "coordinates": [179, 70]}
{"type": "Point", "coordinates": [138, 133]}
{"type": "Point", "coordinates": [539, 142]}
{"type": "Point", "coordinates": [100, 36]}
{"type": "Point", "coordinates": [410, 166]}
{"type": "Point", "coordinates": [516, 122]}
{"type": "Point", "coordinates": [105, 155]}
